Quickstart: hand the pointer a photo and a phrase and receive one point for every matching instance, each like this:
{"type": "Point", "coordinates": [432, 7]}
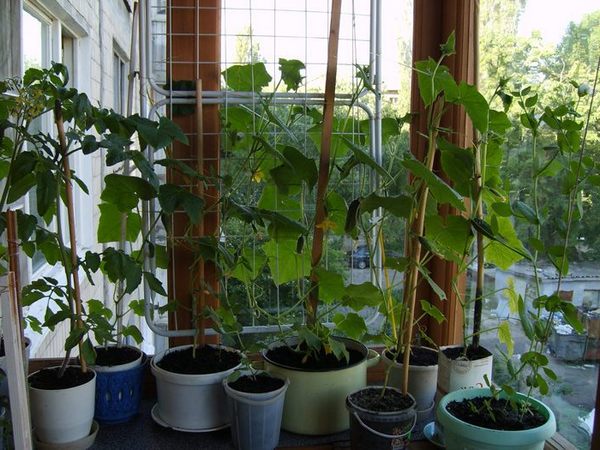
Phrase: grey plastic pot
{"type": "Point", "coordinates": [194, 403]}
{"type": "Point", "coordinates": [255, 418]}
{"type": "Point", "coordinates": [371, 430]}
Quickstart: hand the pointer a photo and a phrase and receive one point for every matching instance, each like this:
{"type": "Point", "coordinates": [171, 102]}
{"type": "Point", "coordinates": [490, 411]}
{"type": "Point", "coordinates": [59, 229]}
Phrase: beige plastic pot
{"type": "Point", "coordinates": [461, 373]}
{"type": "Point", "coordinates": [315, 402]}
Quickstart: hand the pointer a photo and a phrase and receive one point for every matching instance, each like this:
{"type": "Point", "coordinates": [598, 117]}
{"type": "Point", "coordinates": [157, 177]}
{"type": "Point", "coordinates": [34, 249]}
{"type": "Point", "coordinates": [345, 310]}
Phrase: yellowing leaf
{"type": "Point", "coordinates": [512, 296]}
{"type": "Point", "coordinates": [505, 337]}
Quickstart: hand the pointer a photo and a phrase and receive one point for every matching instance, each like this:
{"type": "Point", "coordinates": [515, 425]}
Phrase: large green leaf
{"type": "Point", "coordinates": [398, 205]}
{"type": "Point", "coordinates": [359, 296]}
{"type": "Point", "coordinates": [362, 157]}
{"type": "Point", "coordinates": [248, 77]}
{"type": "Point", "coordinates": [458, 163]}
{"type": "Point", "coordinates": [173, 197]}
{"type": "Point", "coordinates": [109, 226]}
{"type": "Point", "coordinates": [271, 199]}
{"type": "Point", "coordinates": [475, 104]}
{"type": "Point", "coordinates": [250, 265]}
{"type": "Point", "coordinates": [506, 248]}
{"type": "Point", "coordinates": [331, 285]}
{"type": "Point", "coordinates": [119, 266]}
{"type": "Point", "coordinates": [336, 208]}
{"type": "Point", "coordinates": [290, 73]}
{"type": "Point", "coordinates": [438, 187]}
{"type": "Point", "coordinates": [284, 263]}
{"type": "Point", "coordinates": [351, 324]}
{"type": "Point", "coordinates": [125, 191]}
{"type": "Point", "coordinates": [433, 80]}
{"type": "Point", "coordinates": [297, 168]}
{"type": "Point", "coordinates": [449, 236]}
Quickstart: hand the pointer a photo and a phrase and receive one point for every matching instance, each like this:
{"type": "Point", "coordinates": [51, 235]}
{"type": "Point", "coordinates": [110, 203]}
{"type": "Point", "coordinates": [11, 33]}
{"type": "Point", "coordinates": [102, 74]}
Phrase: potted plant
{"type": "Point", "coordinates": [38, 161]}
{"type": "Point", "coordinates": [287, 174]}
{"type": "Point", "coordinates": [256, 405]}
{"type": "Point", "coordinates": [528, 422]}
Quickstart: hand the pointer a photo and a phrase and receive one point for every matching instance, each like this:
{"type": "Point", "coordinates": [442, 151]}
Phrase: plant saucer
{"type": "Point", "coordinates": [433, 436]}
{"type": "Point", "coordinates": [160, 421]}
{"type": "Point", "coordinates": [80, 444]}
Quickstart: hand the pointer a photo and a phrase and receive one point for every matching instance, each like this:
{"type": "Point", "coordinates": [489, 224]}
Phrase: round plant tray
{"type": "Point", "coordinates": [80, 444]}
{"type": "Point", "coordinates": [159, 420]}
{"type": "Point", "coordinates": [433, 435]}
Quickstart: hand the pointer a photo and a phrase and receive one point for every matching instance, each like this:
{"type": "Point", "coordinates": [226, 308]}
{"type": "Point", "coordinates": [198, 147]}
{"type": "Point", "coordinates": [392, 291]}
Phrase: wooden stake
{"type": "Point", "coordinates": [15, 369]}
{"type": "Point", "coordinates": [324, 161]}
{"type": "Point", "coordinates": [200, 338]}
{"type": "Point", "coordinates": [13, 263]}
{"type": "Point", "coordinates": [60, 127]}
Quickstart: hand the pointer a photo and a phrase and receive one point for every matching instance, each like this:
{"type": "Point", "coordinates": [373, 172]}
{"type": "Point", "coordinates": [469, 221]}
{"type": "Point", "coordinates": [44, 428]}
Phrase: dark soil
{"type": "Point", "coordinates": [419, 356]}
{"type": "Point", "coordinates": [114, 356]}
{"type": "Point", "coordinates": [373, 400]}
{"type": "Point", "coordinates": [257, 384]}
{"type": "Point", "coordinates": [472, 354]}
{"type": "Point", "coordinates": [48, 378]}
{"type": "Point", "coordinates": [475, 412]}
{"type": "Point", "coordinates": [208, 360]}
{"type": "Point", "coordinates": [288, 356]}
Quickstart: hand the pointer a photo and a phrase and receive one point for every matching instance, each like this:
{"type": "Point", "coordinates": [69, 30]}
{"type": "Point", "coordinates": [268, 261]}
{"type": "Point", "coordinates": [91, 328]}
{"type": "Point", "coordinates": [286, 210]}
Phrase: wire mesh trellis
{"type": "Point", "coordinates": [261, 31]}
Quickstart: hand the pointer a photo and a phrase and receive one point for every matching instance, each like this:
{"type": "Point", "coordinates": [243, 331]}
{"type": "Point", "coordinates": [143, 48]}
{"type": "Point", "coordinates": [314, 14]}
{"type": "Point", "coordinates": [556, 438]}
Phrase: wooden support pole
{"type": "Point", "coordinates": [15, 370]}
{"type": "Point", "coordinates": [324, 161]}
{"type": "Point", "coordinates": [199, 275]}
{"type": "Point", "coordinates": [13, 263]}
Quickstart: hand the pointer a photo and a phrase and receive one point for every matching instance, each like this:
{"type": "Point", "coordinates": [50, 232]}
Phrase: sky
{"type": "Point", "coordinates": [551, 17]}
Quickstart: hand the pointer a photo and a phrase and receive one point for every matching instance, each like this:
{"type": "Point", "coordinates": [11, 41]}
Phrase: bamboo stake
{"type": "Point", "coordinates": [200, 338]}
{"type": "Point", "coordinates": [410, 287]}
{"type": "Point", "coordinates": [60, 127]}
{"type": "Point", "coordinates": [324, 161]}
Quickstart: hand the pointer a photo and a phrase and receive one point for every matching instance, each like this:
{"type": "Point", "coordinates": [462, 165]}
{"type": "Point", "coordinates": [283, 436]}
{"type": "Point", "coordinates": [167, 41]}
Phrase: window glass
{"type": "Point", "coordinates": [549, 45]}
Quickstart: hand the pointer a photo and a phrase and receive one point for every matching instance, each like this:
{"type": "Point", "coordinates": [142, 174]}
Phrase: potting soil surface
{"type": "Point", "coordinates": [287, 356]}
{"type": "Point", "coordinates": [419, 356]}
{"type": "Point", "coordinates": [257, 383]}
{"type": "Point", "coordinates": [207, 360]}
{"type": "Point", "coordinates": [472, 354]}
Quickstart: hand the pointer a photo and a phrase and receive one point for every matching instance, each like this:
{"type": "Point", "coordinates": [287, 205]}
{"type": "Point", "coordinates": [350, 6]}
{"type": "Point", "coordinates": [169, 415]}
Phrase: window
{"type": "Point", "coordinates": [548, 44]}
{"type": "Point", "coordinates": [119, 84]}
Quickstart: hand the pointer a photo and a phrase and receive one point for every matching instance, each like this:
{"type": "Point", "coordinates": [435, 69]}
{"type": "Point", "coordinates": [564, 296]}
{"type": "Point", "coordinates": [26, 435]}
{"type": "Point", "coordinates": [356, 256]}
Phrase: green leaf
{"type": "Point", "coordinates": [46, 190]}
{"type": "Point", "coordinates": [172, 197]}
{"type": "Point", "coordinates": [169, 128]}
{"type": "Point", "coordinates": [542, 384]}
{"type": "Point", "coordinates": [57, 317]}
{"type": "Point", "coordinates": [119, 266]}
{"type": "Point", "coordinates": [125, 191]}
{"type": "Point", "coordinates": [155, 284]}
{"type": "Point", "coordinates": [505, 337]}
{"type": "Point", "coordinates": [440, 190]}
{"type": "Point", "coordinates": [358, 296]}
{"type": "Point", "coordinates": [134, 332]}
{"type": "Point", "coordinates": [88, 352]}
{"type": "Point", "coordinates": [331, 285]}
{"type": "Point", "coordinates": [550, 374]}
{"type": "Point", "coordinates": [290, 73]}
{"type": "Point", "coordinates": [458, 163]}
{"type": "Point", "coordinates": [351, 324]}
{"type": "Point", "coordinates": [433, 311]}
{"type": "Point", "coordinates": [74, 337]}
{"type": "Point", "coordinates": [336, 210]}
{"type": "Point", "coordinates": [109, 225]}
{"type": "Point", "coordinates": [448, 48]}
{"type": "Point", "coordinates": [284, 263]}
{"type": "Point", "coordinates": [570, 314]}
{"type": "Point", "coordinates": [502, 209]}
{"type": "Point", "coordinates": [247, 78]}
{"type": "Point", "coordinates": [250, 265]}
{"type": "Point", "coordinates": [138, 307]}
{"type": "Point", "coordinates": [364, 158]}
{"type": "Point", "coordinates": [296, 168]}
{"type": "Point", "coordinates": [475, 104]}
{"type": "Point", "coordinates": [398, 205]}
{"type": "Point", "coordinates": [433, 80]}
{"type": "Point", "coordinates": [436, 288]}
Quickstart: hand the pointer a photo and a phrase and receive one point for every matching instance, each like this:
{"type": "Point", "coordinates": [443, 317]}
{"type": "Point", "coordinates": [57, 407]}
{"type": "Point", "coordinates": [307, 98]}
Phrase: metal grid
{"type": "Point", "coordinates": [269, 29]}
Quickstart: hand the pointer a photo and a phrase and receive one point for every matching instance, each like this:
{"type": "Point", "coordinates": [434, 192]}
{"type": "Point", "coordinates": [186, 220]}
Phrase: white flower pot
{"type": "Point", "coordinates": [462, 373]}
{"type": "Point", "coordinates": [61, 416]}
{"type": "Point", "coordinates": [421, 381]}
{"type": "Point", "coordinates": [190, 402]}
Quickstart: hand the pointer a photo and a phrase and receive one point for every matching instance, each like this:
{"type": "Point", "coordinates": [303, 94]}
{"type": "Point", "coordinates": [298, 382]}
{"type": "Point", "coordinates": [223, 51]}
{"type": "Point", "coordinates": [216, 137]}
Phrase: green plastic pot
{"type": "Point", "coordinates": [315, 403]}
{"type": "Point", "coordinates": [459, 435]}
